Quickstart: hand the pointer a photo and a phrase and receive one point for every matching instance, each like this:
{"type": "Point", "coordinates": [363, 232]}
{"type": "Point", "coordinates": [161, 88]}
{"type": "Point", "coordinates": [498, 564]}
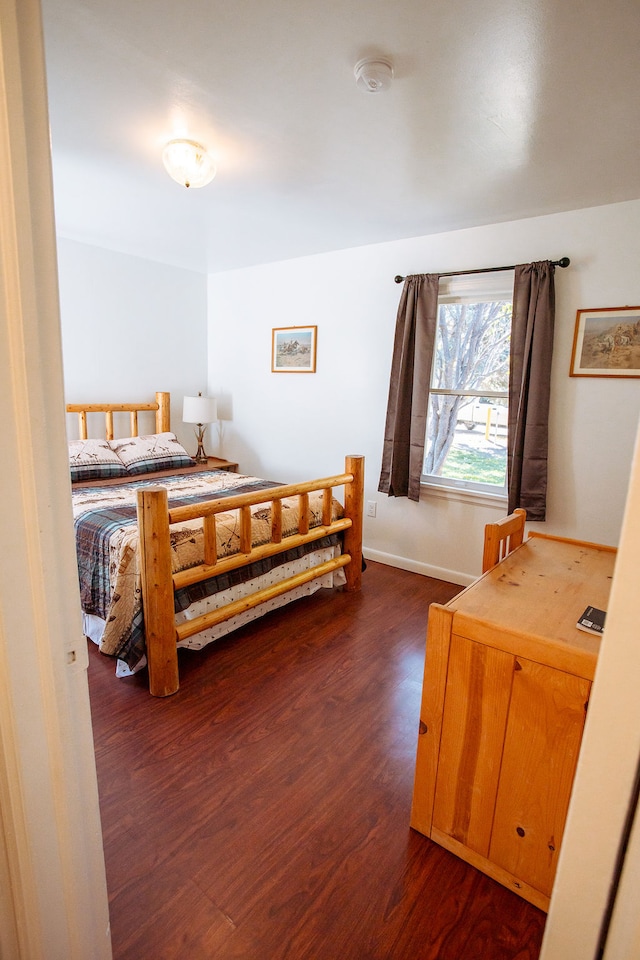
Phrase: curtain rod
{"type": "Point", "coordinates": [564, 262]}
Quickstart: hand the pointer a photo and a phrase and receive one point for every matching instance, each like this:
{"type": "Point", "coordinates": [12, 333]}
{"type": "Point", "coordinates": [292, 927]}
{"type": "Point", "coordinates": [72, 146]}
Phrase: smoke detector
{"type": "Point", "coordinates": [373, 74]}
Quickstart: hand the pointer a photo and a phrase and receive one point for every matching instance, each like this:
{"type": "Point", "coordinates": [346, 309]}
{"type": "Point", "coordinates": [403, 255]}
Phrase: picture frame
{"type": "Point", "coordinates": [606, 343]}
{"type": "Point", "coordinates": [293, 349]}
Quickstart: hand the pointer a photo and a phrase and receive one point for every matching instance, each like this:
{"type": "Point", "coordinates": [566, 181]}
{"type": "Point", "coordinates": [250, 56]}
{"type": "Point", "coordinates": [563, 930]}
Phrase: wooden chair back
{"type": "Point", "coordinates": [502, 537]}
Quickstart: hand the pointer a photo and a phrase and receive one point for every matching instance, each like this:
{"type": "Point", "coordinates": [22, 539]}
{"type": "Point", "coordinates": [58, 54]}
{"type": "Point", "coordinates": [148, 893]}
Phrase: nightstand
{"type": "Point", "coordinates": [216, 463]}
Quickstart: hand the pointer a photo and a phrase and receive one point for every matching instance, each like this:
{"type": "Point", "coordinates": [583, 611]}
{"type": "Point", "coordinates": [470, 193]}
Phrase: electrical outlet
{"type": "Point", "coordinates": [371, 508]}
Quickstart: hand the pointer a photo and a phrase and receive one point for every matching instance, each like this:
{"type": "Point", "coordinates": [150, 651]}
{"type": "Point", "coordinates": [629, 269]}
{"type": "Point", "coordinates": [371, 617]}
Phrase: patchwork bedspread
{"type": "Point", "coordinates": [107, 547]}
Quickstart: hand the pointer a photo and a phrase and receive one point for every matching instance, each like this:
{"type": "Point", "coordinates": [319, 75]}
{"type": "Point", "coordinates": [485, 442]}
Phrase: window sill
{"type": "Point", "coordinates": [478, 498]}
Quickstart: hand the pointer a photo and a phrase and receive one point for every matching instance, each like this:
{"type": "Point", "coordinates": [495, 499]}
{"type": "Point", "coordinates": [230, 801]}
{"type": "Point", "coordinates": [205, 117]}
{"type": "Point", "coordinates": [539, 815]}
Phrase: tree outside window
{"type": "Point", "coordinates": [467, 416]}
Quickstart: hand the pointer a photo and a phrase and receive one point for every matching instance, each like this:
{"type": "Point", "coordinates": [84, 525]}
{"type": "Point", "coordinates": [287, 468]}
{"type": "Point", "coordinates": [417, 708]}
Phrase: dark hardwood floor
{"type": "Point", "coordinates": [262, 812]}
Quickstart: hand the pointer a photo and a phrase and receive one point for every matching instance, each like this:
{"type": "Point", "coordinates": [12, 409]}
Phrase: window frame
{"type": "Point", "coordinates": [475, 288]}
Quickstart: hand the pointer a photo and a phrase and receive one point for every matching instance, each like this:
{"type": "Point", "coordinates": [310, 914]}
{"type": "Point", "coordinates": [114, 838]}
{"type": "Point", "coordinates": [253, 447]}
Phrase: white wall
{"type": "Point", "coordinates": [131, 327]}
{"type": "Point", "coordinates": [288, 426]}
{"type": "Point", "coordinates": [603, 791]}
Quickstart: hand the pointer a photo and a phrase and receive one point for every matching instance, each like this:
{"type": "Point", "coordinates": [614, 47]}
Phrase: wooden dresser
{"type": "Point", "coordinates": [506, 685]}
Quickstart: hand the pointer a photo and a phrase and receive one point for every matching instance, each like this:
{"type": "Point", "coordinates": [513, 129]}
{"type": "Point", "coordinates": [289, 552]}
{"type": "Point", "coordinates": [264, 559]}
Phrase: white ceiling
{"type": "Point", "coordinates": [499, 109]}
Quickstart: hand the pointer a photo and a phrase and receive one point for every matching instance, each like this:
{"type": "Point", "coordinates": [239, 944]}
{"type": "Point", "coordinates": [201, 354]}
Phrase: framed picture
{"type": "Point", "coordinates": [293, 350]}
{"type": "Point", "coordinates": [606, 343]}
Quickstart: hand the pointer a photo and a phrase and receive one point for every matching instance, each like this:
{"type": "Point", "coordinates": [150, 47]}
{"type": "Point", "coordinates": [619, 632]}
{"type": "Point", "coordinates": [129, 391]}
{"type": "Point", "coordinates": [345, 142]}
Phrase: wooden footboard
{"type": "Point", "coordinates": [158, 582]}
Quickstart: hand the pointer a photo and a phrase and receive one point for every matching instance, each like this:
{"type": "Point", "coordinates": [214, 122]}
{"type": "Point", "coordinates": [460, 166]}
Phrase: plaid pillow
{"type": "Point", "coordinates": [158, 451]}
{"type": "Point", "coordinates": [94, 460]}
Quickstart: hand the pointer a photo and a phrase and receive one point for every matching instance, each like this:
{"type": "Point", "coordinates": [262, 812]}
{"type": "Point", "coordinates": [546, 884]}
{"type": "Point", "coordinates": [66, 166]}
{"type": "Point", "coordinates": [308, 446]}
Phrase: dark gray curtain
{"type": "Point", "coordinates": [529, 387]}
{"type": "Point", "coordinates": [406, 425]}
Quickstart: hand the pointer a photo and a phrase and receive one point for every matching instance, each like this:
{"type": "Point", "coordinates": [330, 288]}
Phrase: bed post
{"type": "Point", "coordinates": [163, 413]}
{"type": "Point", "coordinates": [353, 508]}
{"type": "Point", "coordinates": [157, 591]}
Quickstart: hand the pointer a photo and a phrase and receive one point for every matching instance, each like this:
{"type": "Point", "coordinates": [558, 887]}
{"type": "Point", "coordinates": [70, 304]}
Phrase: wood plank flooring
{"type": "Point", "coordinates": [262, 812]}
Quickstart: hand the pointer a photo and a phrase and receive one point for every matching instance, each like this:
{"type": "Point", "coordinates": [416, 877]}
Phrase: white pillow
{"type": "Point", "coordinates": [94, 460]}
{"type": "Point", "coordinates": [157, 451]}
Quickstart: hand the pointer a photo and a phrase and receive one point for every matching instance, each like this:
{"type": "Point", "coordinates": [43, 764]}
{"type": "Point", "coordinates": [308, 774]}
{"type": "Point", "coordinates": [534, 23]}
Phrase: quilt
{"type": "Point", "coordinates": [107, 548]}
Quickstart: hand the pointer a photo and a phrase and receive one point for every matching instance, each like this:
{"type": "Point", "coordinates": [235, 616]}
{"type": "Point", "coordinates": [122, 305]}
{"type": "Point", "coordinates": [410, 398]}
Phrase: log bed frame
{"type": "Point", "coordinates": [155, 519]}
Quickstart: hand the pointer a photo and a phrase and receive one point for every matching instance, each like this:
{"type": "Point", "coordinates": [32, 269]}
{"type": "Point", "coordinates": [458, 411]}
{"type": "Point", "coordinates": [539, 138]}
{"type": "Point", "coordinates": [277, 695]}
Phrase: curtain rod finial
{"type": "Point", "coordinates": [564, 262]}
{"type": "Point", "coordinates": [398, 279]}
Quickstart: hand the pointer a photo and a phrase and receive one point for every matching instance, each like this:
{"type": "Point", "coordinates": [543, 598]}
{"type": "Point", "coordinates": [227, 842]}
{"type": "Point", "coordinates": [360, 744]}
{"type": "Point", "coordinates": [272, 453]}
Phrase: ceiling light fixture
{"type": "Point", "coordinates": [188, 163]}
{"type": "Point", "coordinates": [373, 74]}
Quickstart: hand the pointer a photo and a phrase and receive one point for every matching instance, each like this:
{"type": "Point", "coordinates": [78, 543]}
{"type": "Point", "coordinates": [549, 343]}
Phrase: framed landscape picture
{"type": "Point", "coordinates": [606, 343]}
{"type": "Point", "coordinates": [293, 350]}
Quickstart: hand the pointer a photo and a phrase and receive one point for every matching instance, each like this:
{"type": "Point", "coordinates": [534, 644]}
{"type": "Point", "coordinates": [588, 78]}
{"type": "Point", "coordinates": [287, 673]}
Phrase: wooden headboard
{"type": "Point", "coordinates": [161, 407]}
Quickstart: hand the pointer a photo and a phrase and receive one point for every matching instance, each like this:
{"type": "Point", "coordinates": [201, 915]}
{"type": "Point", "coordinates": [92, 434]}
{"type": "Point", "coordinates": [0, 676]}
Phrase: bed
{"type": "Point", "coordinates": [173, 554]}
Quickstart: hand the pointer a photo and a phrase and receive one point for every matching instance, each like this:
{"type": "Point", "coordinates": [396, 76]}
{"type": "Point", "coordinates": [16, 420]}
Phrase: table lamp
{"type": "Point", "coordinates": [201, 411]}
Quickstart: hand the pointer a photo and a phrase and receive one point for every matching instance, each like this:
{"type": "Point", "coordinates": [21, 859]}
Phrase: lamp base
{"type": "Point", "coordinates": [200, 456]}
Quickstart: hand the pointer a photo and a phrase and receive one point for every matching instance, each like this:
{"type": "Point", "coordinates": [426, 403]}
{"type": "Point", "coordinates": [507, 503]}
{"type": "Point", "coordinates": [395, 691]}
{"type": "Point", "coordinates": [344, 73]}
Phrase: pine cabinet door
{"type": "Point", "coordinates": [543, 736]}
{"type": "Point", "coordinates": [473, 731]}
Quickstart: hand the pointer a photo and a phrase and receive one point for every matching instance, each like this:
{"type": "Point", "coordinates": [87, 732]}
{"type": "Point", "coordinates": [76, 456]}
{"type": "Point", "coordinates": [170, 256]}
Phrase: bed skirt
{"type": "Point", "coordinates": [94, 626]}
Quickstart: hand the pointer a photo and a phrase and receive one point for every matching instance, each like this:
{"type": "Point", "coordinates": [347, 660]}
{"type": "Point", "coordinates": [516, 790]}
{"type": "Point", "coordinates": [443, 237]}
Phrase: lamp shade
{"type": "Point", "coordinates": [199, 410]}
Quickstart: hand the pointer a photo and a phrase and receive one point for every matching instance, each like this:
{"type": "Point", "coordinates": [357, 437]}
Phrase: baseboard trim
{"type": "Point", "coordinates": [417, 566]}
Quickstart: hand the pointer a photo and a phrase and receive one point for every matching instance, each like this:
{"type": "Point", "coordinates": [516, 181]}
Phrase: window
{"type": "Point", "coordinates": [466, 442]}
